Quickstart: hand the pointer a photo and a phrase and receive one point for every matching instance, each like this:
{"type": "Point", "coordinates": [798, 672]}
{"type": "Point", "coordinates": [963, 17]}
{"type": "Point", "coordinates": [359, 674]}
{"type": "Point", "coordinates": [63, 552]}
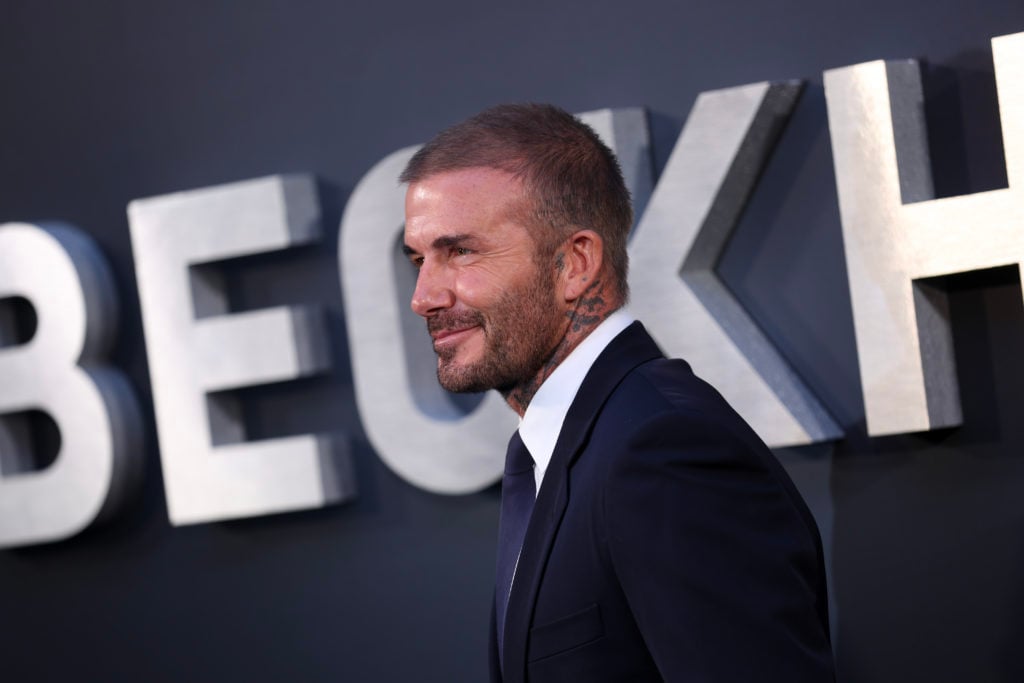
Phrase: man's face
{"type": "Point", "coordinates": [490, 308]}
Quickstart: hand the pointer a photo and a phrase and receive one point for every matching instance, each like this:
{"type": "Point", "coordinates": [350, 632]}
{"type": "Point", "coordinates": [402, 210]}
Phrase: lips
{"type": "Point", "coordinates": [452, 329]}
{"type": "Point", "coordinates": [442, 336]}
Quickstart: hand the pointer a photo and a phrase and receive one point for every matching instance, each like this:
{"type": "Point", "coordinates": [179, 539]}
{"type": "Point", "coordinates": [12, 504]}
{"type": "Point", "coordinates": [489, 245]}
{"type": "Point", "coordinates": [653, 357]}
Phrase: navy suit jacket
{"type": "Point", "coordinates": [666, 543]}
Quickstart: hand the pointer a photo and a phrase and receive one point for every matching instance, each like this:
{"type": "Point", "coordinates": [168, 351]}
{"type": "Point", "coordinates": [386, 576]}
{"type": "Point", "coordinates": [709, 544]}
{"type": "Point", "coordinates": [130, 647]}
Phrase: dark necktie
{"type": "Point", "coordinates": [518, 492]}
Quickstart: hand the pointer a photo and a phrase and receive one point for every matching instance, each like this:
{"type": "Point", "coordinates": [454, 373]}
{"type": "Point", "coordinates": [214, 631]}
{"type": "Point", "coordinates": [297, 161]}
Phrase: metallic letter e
{"type": "Point", "coordinates": [194, 350]}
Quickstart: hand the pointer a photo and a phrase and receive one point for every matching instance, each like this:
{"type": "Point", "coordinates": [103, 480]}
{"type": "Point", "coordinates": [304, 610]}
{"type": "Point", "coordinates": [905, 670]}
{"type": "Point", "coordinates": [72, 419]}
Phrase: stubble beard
{"type": "Point", "coordinates": [520, 336]}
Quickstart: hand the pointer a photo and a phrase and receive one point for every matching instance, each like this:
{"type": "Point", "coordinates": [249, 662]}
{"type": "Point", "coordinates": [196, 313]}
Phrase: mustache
{"type": "Point", "coordinates": [454, 321]}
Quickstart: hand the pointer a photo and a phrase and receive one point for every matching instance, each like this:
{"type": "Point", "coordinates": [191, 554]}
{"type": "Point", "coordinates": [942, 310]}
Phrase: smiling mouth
{"type": "Point", "coordinates": [449, 329]}
{"type": "Point", "coordinates": [451, 335]}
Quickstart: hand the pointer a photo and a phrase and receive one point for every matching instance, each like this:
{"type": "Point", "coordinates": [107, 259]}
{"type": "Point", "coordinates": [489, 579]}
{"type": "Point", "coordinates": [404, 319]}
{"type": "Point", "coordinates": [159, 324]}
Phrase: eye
{"type": "Point", "coordinates": [416, 261]}
{"type": "Point", "coordinates": [461, 251]}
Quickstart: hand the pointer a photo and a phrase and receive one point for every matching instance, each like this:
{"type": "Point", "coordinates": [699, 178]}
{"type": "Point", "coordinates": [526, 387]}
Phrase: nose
{"type": "Point", "coordinates": [433, 292]}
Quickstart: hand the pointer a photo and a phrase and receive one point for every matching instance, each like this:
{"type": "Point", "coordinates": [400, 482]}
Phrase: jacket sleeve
{"type": "Point", "coordinates": [722, 572]}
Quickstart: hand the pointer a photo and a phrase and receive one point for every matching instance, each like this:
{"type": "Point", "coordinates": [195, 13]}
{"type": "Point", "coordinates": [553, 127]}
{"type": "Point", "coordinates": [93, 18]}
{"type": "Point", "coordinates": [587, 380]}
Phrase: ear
{"type": "Point", "coordinates": [582, 261]}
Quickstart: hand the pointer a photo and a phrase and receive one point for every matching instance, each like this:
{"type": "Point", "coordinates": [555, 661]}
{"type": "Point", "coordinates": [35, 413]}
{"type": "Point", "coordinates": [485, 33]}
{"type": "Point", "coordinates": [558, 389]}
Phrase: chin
{"type": "Point", "coordinates": [462, 378]}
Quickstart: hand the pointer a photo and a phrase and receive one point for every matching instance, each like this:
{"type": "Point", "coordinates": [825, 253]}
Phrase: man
{"type": "Point", "coordinates": [665, 541]}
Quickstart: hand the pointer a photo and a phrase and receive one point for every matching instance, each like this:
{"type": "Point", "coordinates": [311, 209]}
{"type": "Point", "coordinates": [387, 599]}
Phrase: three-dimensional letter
{"type": "Point", "coordinates": [60, 371]}
{"type": "Point", "coordinates": [195, 350]}
{"type": "Point", "coordinates": [897, 235]}
{"type": "Point", "coordinates": [725, 143]}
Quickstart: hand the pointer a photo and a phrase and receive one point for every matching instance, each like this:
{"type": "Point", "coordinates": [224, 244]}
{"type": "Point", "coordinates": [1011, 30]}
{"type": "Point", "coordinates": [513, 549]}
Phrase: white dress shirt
{"type": "Point", "coordinates": [541, 424]}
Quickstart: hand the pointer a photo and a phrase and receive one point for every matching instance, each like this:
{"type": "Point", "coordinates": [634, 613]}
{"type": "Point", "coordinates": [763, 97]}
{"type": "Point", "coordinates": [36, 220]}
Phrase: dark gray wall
{"type": "Point", "coordinates": [104, 102]}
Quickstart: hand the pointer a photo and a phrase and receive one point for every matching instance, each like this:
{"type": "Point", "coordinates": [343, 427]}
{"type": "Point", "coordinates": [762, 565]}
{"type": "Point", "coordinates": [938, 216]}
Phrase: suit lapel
{"type": "Point", "coordinates": [629, 349]}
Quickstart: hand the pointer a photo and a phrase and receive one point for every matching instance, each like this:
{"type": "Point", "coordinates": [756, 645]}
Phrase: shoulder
{"type": "Point", "coordinates": [704, 531]}
{"type": "Point", "coordinates": [663, 399]}
{"type": "Point", "coordinates": [666, 432]}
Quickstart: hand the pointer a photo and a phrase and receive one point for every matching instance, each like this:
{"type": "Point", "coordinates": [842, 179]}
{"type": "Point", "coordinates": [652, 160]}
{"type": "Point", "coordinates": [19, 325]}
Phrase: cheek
{"type": "Point", "coordinates": [486, 284]}
{"type": "Point", "coordinates": [477, 289]}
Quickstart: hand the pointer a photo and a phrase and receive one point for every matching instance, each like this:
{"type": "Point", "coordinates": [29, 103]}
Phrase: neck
{"type": "Point", "coordinates": [587, 312]}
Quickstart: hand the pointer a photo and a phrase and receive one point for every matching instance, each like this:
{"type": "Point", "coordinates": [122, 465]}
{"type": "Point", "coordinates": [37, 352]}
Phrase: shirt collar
{"type": "Point", "coordinates": [542, 422]}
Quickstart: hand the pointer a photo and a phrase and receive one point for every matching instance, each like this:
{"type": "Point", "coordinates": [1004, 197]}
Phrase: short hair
{"type": "Point", "coordinates": [571, 176]}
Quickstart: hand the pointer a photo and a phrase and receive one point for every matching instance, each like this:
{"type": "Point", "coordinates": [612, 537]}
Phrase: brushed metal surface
{"type": "Point", "coordinates": [195, 348]}
{"type": "Point", "coordinates": [61, 371]}
{"type": "Point", "coordinates": [897, 235]}
{"type": "Point", "coordinates": [695, 207]}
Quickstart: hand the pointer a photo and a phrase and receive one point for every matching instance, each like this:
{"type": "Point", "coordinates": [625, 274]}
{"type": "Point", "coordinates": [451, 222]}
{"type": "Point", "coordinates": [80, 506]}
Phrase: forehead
{"type": "Point", "coordinates": [472, 196]}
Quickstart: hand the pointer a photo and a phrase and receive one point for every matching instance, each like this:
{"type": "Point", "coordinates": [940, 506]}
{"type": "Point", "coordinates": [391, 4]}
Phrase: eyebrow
{"type": "Point", "coordinates": [442, 242]}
